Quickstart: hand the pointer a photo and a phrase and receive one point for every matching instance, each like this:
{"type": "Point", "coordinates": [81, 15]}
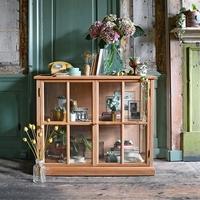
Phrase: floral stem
{"type": "Point", "coordinates": [33, 150]}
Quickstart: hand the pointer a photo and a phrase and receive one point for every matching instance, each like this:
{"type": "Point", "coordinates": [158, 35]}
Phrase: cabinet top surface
{"type": "Point", "coordinates": [65, 78]}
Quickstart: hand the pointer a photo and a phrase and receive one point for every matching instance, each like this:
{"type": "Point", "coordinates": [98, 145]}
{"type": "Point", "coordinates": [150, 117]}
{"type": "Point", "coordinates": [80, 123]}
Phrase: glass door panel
{"type": "Point", "coordinates": [109, 144]}
{"type": "Point", "coordinates": [134, 102]}
{"type": "Point", "coordinates": [80, 102]}
{"type": "Point", "coordinates": [55, 102]}
{"type": "Point", "coordinates": [55, 144]}
{"type": "Point", "coordinates": [80, 144]}
{"type": "Point", "coordinates": [109, 101]}
{"type": "Point", "coordinates": [135, 144]}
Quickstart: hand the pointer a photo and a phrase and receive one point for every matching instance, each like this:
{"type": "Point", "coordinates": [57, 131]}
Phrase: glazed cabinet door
{"type": "Point", "coordinates": [80, 122]}
{"type": "Point", "coordinates": [122, 125]}
{"type": "Point", "coordinates": [65, 112]}
{"type": "Point", "coordinates": [53, 116]}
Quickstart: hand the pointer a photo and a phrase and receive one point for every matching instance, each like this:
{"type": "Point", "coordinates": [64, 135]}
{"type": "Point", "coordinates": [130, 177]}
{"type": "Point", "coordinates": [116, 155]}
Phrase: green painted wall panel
{"type": "Point", "coordinates": [194, 89]}
{"type": "Point", "coordinates": [191, 144]}
{"type": "Point", "coordinates": [161, 112]}
{"type": "Point", "coordinates": [58, 28]}
{"type": "Point", "coordinates": [191, 108]}
{"type": "Point", "coordinates": [73, 18]}
{"type": "Point", "coordinates": [9, 115]}
{"type": "Point", "coordinates": [14, 113]}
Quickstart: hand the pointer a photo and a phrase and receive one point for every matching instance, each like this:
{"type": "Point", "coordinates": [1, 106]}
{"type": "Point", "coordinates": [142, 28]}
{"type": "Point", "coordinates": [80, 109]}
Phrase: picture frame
{"type": "Point", "coordinates": [99, 62]}
{"type": "Point", "coordinates": [110, 98]}
{"type": "Point", "coordinates": [128, 96]}
{"type": "Point", "coordinates": [133, 110]}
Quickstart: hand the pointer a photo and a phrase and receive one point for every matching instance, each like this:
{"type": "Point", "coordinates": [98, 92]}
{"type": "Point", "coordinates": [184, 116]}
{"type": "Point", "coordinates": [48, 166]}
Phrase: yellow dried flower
{"type": "Point", "coordinates": [33, 127]}
{"type": "Point", "coordinates": [30, 126]}
{"type": "Point", "coordinates": [34, 141]}
{"type": "Point", "coordinates": [25, 129]}
{"type": "Point", "coordinates": [50, 140]}
{"type": "Point", "coordinates": [40, 134]}
{"type": "Point", "coordinates": [55, 128]}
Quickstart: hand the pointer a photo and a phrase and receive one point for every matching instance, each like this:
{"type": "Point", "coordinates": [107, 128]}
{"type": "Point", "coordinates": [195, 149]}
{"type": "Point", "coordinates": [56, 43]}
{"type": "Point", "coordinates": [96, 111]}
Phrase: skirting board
{"type": "Point", "coordinates": [174, 155]}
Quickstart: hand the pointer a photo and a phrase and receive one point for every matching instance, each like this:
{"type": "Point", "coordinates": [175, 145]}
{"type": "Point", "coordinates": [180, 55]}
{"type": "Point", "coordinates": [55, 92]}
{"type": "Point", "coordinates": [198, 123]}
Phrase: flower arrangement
{"type": "Point", "coordinates": [112, 29]}
{"type": "Point", "coordinates": [33, 134]}
{"type": "Point", "coordinates": [112, 33]}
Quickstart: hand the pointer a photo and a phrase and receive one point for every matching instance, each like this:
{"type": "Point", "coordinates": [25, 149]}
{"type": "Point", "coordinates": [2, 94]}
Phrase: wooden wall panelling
{"type": "Point", "coordinates": [13, 115]}
{"type": "Point", "coordinates": [58, 29]}
{"type": "Point", "coordinates": [175, 82]}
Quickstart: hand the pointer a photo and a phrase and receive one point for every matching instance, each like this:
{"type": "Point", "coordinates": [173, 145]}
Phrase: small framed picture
{"type": "Point", "coordinates": [128, 96]}
{"type": "Point", "coordinates": [110, 99]}
{"type": "Point", "coordinates": [133, 110]}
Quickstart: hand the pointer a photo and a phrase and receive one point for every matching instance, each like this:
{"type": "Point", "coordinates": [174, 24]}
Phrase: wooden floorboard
{"type": "Point", "coordinates": [172, 180]}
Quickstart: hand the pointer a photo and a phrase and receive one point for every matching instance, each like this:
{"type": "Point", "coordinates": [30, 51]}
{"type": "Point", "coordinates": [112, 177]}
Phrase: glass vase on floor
{"type": "Point", "coordinates": [39, 172]}
{"type": "Point", "coordinates": [112, 59]}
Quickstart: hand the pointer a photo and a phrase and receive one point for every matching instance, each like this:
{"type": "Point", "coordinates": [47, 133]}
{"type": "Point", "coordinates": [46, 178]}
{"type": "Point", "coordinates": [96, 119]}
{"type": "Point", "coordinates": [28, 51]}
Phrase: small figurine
{"type": "Point", "coordinates": [133, 62]}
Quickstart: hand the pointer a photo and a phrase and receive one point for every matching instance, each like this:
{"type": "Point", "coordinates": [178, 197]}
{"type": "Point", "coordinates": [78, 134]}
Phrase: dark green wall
{"type": "Point", "coordinates": [58, 28]}
{"type": "Point", "coordinates": [14, 113]}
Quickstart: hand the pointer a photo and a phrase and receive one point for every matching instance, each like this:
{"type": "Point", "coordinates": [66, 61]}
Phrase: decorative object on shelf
{"type": "Point", "coordinates": [113, 104]}
{"type": "Point", "coordinates": [73, 117]}
{"type": "Point", "coordinates": [81, 113]}
{"type": "Point", "coordinates": [112, 32]}
{"type": "Point", "coordinates": [59, 112]}
{"type": "Point", "coordinates": [141, 69]}
{"type": "Point", "coordinates": [32, 136]}
{"type": "Point", "coordinates": [133, 62]}
{"type": "Point", "coordinates": [73, 107]}
{"type": "Point", "coordinates": [59, 66]}
{"type": "Point", "coordinates": [78, 147]}
{"type": "Point", "coordinates": [192, 17]}
{"type": "Point", "coordinates": [74, 71]}
{"type": "Point", "coordinates": [181, 19]}
{"type": "Point", "coordinates": [145, 88]}
{"type": "Point", "coordinates": [131, 153]}
{"type": "Point", "coordinates": [87, 60]}
{"type": "Point", "coordinates": [133, 110]}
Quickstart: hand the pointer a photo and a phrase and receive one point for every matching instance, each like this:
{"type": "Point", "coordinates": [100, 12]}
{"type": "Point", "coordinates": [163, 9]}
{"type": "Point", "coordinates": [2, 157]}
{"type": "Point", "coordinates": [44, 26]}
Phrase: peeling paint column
{"type": "Point", "coordinates": [9, 36]}
{"type": "Point", "coordinates": [143, 14]}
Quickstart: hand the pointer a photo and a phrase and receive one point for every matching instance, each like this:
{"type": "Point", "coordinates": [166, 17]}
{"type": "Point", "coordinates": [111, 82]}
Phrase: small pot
{"type": "Point", "coordinates": [192, 18]}
{"type": "Point", "coordinates": [141, 70]}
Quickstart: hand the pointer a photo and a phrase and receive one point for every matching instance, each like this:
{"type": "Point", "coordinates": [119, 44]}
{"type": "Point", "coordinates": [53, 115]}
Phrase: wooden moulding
{"type": "Point", "coordinates": [100, 171]}
{"type": "Point", "coordinates": [188, 34]}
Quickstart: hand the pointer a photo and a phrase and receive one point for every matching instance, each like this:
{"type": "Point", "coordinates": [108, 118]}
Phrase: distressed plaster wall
{"type": "Point", "coordinates": [9, 34]}
{"type": "Point", "coordinates": [143, 14]}
{"type": "Point", "coordinates": [176, 74]}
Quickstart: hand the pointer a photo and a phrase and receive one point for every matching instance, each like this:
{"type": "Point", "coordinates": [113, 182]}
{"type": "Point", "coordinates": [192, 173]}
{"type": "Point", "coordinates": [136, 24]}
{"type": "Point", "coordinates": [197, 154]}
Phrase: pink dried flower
{"type": "Point", "coordinates": [95, 29]}
{"type": "Point", "coordinates": [108, 33]}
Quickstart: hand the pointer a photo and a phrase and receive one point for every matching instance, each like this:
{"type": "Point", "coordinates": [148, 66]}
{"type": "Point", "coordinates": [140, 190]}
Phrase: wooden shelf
{"type": "Point", "coordinates": [188, 34]}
